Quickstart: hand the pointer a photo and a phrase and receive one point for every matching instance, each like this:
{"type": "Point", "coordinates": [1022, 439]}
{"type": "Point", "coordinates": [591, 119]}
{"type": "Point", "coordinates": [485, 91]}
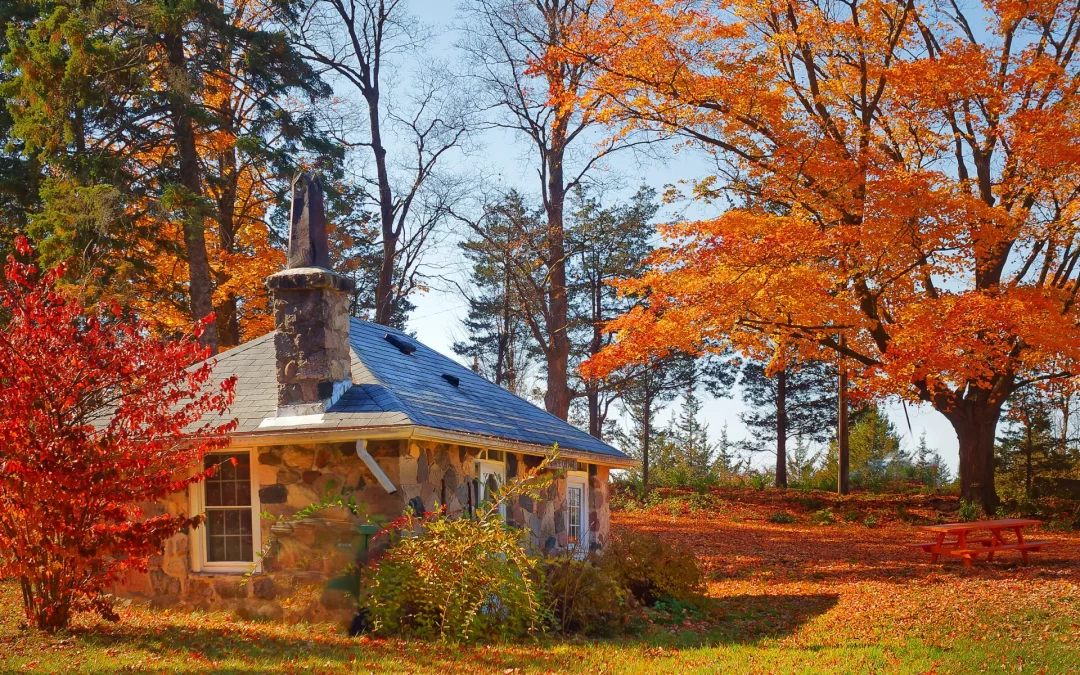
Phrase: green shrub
{"type": "Point", "coordinates": [459, 578]}
{"type": "Point", "coordinates": [1059, 525]}
{"type": "Point", "coordinates": [582, 598]}
{"type": "Point", "coordinates": [823, 517]}
{"type": "Point", "coordinates": [851, 517]}
{"type": "Point", "coordinates": [781, 518]}
{"type": "Point", "coordinates": [870, 521]}
{"type": "Point", "coordinates": [651, 569]}
{"type": "Point", "coordinates": [968, 512]}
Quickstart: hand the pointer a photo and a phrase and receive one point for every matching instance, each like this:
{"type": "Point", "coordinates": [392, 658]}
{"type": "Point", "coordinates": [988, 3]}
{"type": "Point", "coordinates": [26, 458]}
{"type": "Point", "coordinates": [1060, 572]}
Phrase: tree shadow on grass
{"type": "Point", "coordinates": [746, 619]}
{"type": "Point", "coordinates": [242, 648]}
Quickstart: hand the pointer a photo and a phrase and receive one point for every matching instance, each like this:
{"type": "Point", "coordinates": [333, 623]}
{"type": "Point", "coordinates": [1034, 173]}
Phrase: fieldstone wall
{"type": "Point", "coordinates": [546, 517]}
{"type": "Point", "coordinates": [302, 555]}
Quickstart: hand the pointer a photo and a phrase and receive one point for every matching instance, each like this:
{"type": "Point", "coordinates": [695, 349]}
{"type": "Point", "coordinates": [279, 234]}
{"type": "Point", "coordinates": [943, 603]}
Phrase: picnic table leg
{"type": "Point", "coordinates": [1020, 540]}
{"type": "Point", "coordinates": [961, 543]}
{"type": "Point", "coordinates": [940, 543]}
{"type": "Point", "coordinates": [996, 540]}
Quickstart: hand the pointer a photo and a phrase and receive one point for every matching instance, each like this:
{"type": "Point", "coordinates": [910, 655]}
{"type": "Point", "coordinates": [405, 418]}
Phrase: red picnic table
{"type": "Point", "coordinates": [969, 548]}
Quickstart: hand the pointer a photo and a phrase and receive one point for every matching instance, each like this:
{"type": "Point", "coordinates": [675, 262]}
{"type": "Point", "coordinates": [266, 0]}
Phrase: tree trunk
{"type": "Point", "coordinates": [227, 312]}
{"type": "Point", "coordinates": [199, 284]}
{"type": "Point", "coordinates": [975, 423]}
{"type": "Point", "coordinates": [596, 343]}
{"type": "Point", "coordinates": [1027, 472]}
{"type": "Point", "coordinates": [646, 432]}
{"type": "Point", "coordinates": [557, 399]}
{"type": "Point", "coordinates": [842, 465]}
{"type": "Point", "coordinates": [384, 287]}
{"type": "Point", "coordinates": [781, 429]}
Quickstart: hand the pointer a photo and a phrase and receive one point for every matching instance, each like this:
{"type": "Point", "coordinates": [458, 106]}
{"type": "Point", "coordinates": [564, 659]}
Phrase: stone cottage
{"type": "Point", "coordinates": [327, 405]}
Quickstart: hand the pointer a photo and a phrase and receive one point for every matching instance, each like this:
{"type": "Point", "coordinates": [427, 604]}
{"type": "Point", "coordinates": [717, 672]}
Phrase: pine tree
{"type": "Point", "coordinates": [801, 400]}
{"type": "Point", "coordinates": [725, 462]}
{"type": "Point", "coordinates": [498, 339]}
{"type": "Point", "coordinates": [875, 450]}
{"type": "Point", "coordinates": [606, 243]}
{"type": "Point", "coordinates": [168, 131]}
{"type": "Point", "coordinates": [645, 392]}
{"type": "Point", "coordinates": [929, 467]}
{"type": "Point", "coordinates": [802, 463]}
{"type": "Point", "coordinates": [694, 453]}
{"type": "Point", "coordinates": [1029, 447]}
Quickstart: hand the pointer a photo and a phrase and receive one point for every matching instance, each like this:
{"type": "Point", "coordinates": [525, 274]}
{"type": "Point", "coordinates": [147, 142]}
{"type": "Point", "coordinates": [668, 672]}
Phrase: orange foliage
{"type": "Point", "coordinates": [237, 185]}
{"type": "Point", "coordinates": [898, 178]}
{"type": "Point", "coordinates": [855, 217]}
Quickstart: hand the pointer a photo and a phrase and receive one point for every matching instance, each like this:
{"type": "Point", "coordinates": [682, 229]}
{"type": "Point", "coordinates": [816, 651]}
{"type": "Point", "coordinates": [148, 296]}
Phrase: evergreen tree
{"type": "Point", "coordinates": [799, 401]}
{"type": "Point", "coordinates": [725, 462]}
{"type": "Point", "coordinates": [929, 468]}
{"type": "Point", "coordinates": [606, 243]}
{"type": "Point", "coordinates": [874, 448]}
{"type": "Point", "coordinates": [166, 130]}
{"type": "Point", "coordinates": [498, 339]}
{"type": "Point", "coordinates": [19, 176]}
{"type": "Point", "coordinates": [801, 463]}
{"type": "Point", "coordinates": [694, 454]}
{"type": "Point", "coordinates": [1029, 447]}
{"type": "Point", "coordinates": [646, 391]}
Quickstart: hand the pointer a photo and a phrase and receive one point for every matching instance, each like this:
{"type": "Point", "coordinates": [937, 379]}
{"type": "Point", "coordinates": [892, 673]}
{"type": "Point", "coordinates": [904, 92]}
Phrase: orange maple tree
{"type": "Point", "coordinates": [903, 176]}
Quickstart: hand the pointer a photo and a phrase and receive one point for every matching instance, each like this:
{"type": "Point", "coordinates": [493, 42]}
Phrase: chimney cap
{"type": "Point", "coordinates": [309, 244]}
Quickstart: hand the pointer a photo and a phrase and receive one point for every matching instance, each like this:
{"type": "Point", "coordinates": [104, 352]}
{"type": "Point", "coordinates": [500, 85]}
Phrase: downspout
{"type": "Point", "coordinates": [373, 466]}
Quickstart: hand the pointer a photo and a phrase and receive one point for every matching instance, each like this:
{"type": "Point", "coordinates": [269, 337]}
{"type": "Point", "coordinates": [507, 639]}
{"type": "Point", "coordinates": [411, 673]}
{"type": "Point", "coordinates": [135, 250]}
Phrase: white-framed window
{"type": "Point", "coordinates": [577, 510]}
{"type": "Point", "coordinates": [490, 472]}
{"type": "Point", "coordinates": [229, 536]}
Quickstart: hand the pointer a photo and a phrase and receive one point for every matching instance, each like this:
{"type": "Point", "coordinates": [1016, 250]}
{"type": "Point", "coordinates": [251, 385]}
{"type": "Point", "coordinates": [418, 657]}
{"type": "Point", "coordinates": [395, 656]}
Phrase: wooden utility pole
{"type": "Point", "coordinates": [842, 486]}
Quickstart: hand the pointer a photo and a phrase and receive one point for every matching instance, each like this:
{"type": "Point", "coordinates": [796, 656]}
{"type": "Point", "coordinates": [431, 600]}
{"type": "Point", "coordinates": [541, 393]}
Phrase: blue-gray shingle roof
{"type": "Point", "coordinates": [394, 389]}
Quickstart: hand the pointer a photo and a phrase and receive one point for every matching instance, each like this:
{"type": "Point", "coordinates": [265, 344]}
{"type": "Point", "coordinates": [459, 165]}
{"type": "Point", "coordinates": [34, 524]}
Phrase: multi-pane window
{"type": "Point", "coordinates": [228, 509]}
{"type": "Point", "coordinates": [573, 513]}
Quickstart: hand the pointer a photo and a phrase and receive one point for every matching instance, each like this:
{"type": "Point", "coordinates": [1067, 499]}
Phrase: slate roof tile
{"type": "Point", "coordinates": [391, 388]}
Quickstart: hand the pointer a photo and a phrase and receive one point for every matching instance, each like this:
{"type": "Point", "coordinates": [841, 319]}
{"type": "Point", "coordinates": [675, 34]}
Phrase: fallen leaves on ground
{"type": "Point", "coordinates": [841, 597]}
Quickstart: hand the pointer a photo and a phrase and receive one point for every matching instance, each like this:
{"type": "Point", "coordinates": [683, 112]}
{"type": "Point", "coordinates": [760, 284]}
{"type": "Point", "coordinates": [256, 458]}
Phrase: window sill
{"type": "Point", "coordinates": [227, 569]}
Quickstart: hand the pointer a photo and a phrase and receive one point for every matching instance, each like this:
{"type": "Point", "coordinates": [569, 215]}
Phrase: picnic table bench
{"type": "Point", "coordinates": [968, 548]}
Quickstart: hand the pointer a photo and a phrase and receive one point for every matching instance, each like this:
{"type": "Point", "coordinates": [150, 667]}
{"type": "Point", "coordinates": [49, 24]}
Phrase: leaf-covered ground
{"type": "Point", "coordinates": [800, 597]}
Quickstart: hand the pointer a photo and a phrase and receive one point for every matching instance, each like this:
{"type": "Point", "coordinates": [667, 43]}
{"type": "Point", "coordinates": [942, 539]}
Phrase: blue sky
{"type": "Point", "coordinates": [439, 312]}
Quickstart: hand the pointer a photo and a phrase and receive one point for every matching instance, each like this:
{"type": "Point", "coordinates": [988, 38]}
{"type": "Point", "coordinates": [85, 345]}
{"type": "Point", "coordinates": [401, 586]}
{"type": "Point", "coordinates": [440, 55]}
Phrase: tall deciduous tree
{"type": "Point", "coordinates": [100, 419]}
{"type": "Point", "coordinates": [506, 40]}
{"type": "Point", "coordinates": [409, 136]}
{"type": "Point", "coordinates": [927, 154]}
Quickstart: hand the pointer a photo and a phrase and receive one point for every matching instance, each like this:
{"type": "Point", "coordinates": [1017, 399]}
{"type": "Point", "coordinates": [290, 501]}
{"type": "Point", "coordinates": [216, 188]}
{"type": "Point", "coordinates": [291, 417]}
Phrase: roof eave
{"type": "Point", "coordinates": [421, 433]}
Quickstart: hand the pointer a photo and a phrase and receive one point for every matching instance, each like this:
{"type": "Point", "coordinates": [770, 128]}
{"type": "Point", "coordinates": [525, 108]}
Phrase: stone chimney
{"type": "Point", "coordinates": [311, 311]}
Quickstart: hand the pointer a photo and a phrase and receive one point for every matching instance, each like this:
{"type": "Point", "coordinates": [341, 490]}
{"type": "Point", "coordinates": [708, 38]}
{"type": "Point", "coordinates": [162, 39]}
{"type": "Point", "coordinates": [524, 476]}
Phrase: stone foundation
{"type": "Point", "coordinates": [302, 555]}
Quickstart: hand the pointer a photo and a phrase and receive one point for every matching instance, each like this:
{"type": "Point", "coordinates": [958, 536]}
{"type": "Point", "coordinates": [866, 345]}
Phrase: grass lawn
{"type": "Point", "coordinates": [783, 598]}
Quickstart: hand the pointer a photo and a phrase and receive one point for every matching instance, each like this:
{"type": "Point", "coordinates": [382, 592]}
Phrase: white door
{"type": "Point", "coordinates": [577, 513]}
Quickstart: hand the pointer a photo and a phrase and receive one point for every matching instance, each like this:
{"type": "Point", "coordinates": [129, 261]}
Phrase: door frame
{"type": "Point", "coordinates": [579, 479]}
